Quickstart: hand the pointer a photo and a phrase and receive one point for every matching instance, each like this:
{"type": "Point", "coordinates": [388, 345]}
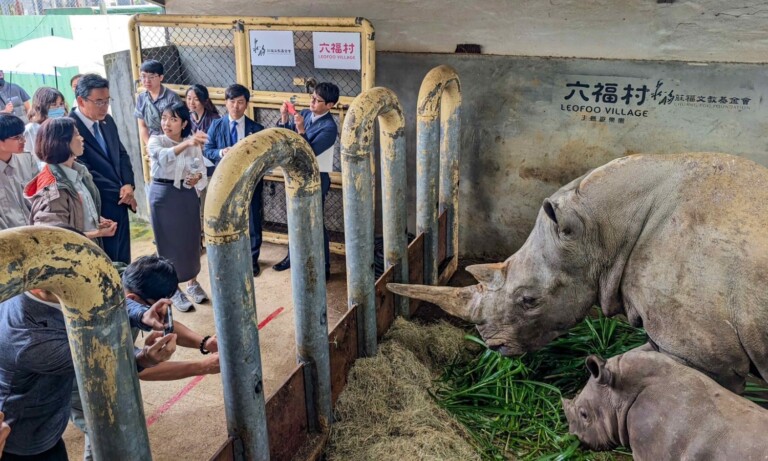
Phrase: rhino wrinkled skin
{"type": "Point", "coordinates": [664, 410]}
{"type": "Point", "coordinates": [677, 243]}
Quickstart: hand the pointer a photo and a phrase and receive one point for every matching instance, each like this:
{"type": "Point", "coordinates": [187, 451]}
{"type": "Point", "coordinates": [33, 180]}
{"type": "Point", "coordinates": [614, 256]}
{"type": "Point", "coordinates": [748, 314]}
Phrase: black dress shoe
{"type": "Point", "coordinates": [283, 265]}
{"type": "Point", "coordinates": [256, 270]}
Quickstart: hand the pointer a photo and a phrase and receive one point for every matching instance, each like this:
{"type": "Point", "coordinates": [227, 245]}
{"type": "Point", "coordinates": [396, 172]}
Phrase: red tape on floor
{"type": "Point", "coordinates": [191, 385]}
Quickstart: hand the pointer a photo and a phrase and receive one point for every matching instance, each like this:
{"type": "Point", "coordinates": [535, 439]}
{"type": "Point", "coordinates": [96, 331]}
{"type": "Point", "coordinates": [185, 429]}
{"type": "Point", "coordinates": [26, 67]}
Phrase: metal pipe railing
{"type": "Point", "coordinates": [439, 96]}
{"type": "Point", "coordinates": [229, 259]}
{"type": "Point", "coordinates": [82, 277]}
{"type": "Point", "coordinates": [357, 160]}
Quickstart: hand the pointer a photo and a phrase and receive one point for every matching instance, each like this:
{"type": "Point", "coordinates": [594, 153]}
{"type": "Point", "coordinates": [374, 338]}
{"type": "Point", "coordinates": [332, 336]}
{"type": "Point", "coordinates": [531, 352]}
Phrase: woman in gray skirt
{"type": "Point", "coordinates": [178, 177]}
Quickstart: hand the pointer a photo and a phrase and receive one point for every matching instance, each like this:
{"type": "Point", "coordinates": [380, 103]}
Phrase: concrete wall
{"type": "Point", "coordinates": [694, 30]}
{"type": "Point", "coordinates": [118, 68]}
{"type": "Point", "coordinates": [519, 142]}
{"type": "Point", "coordinates": [523, 134]}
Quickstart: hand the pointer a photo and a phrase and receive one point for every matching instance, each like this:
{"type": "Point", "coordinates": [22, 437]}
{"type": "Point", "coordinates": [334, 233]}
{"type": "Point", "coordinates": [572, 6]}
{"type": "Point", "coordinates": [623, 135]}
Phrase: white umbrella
{"type": "Point", "coordinates": [43, 55]}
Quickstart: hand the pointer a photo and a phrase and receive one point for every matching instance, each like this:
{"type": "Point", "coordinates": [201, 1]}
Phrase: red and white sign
{"type": "Point", "coordinates": [336, 50]}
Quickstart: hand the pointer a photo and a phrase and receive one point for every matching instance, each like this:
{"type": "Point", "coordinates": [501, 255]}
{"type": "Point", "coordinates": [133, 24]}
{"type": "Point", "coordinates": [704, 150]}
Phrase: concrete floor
{"type": "Point", "coordinates": [185, 418]}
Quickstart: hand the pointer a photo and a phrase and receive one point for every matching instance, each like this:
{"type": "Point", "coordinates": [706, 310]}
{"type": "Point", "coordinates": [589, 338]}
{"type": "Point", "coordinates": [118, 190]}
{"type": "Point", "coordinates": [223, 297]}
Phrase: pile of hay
{"type": "Point", "coordinates": [386, 412]}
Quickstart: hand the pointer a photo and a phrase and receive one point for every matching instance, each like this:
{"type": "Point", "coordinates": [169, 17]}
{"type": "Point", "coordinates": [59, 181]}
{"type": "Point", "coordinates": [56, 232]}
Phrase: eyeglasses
{"type": "Point", "coordinates": [100, 102]}
{"type": "Point", "coordinates": [17, 138]}
{"type": "Point", "coordinates": [149, 77]}
{"type": "Point", "coordinates": [317, 100]}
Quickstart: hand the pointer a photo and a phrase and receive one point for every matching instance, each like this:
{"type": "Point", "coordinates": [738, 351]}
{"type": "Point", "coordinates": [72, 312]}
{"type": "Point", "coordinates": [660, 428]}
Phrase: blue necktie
{"type": "Point", "coordinates": [233, 134]}
{"type": "Point", "coordinates": [100, 138]}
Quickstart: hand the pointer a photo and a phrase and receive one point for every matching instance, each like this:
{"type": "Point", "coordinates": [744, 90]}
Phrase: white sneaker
{"type": "Point", "coordinates": [180, 301]}
{"type": "Point", "coordinates": [197, 293]}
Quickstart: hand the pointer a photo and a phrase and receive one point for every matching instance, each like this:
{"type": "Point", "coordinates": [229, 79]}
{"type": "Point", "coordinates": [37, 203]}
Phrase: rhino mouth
{"type": "Point", "coordinates": [506, 351]}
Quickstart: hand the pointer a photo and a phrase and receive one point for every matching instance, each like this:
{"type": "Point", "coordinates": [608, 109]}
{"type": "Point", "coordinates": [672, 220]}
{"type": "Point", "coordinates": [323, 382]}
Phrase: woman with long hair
{"type": "Point", "coordinates": [178, 176]}
{"type": "Point", "coordinates": [63, 193]}
{"type": "Point", "coordinates": [201, 109]}
{"type": "Point", "coordinates": [202, 113]}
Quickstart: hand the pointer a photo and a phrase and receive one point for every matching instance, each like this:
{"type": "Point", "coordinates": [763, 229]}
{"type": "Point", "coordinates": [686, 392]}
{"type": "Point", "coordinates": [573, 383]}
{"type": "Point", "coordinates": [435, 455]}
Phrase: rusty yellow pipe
{"type": "Point", "coordinates": [357, 168]}
{"type": "Point", "coordinates": [439, 98]}
{"type": "Point", "coordinates": [229, 264]}
{"type": "Point", "coordinates": [82, 277]}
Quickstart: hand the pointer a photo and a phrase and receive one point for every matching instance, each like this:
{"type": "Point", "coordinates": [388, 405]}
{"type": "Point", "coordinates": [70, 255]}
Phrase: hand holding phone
{"type": "Point", "coordinates": [168, 327]}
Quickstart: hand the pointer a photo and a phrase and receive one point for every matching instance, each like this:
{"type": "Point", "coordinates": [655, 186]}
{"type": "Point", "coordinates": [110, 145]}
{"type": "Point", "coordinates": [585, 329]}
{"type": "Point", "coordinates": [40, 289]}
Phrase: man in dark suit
{"type": "Point", "coordinates": [225, 133]}
{"type": "Point", "coordinates": [107, 160]}
{"type": "Point", "coordinates": [318, 127]}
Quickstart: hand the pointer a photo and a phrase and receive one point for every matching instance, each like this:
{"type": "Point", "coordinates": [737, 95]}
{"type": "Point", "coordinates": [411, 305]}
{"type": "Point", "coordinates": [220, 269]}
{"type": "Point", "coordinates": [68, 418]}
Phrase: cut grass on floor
{"type": "Point", "coordinates": [511, 406]}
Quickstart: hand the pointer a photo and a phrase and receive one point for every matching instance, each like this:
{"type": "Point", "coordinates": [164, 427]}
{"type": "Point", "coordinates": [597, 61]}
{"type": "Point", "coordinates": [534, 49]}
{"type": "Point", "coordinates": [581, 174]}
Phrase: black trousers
{"type": "Point", "coordinates": [254, 222]}
{"type": "Point", "coordinates": [117, 247]}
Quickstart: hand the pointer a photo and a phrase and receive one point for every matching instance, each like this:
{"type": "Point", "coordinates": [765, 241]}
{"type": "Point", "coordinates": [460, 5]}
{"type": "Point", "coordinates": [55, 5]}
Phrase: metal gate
{"type": "Point", "coordinates": [216, 51]}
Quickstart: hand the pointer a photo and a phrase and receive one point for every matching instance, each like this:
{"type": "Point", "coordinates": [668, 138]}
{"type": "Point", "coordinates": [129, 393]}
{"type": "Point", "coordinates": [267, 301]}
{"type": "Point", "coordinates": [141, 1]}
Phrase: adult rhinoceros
{"type": "Point", "coordinates": [677, 243]}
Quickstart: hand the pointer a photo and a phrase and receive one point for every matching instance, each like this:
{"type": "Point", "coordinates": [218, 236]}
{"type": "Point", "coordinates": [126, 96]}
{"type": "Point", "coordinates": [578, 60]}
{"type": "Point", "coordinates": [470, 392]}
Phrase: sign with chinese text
{"type": "Point", "coordinates": [272, 48]}
{"type": "Point", "coordinates": [336, 50]}
{"type": "Point", "coordinates": [622, 100]}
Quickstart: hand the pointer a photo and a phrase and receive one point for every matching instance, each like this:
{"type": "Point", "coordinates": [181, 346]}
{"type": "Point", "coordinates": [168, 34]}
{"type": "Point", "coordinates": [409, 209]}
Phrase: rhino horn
{"type": "Point", "coordinates": [492, 276]}
{"type": "Point", "coordinates": [454, 301]}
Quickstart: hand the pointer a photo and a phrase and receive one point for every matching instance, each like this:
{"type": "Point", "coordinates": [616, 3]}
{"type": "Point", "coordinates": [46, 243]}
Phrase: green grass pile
{"type": "Point", "coordinates": [511, 406]}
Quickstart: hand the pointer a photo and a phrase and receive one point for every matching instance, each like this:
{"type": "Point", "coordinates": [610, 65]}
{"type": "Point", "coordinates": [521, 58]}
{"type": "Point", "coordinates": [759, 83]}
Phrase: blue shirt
{"type": "Point", "coordinates": [36, 372]}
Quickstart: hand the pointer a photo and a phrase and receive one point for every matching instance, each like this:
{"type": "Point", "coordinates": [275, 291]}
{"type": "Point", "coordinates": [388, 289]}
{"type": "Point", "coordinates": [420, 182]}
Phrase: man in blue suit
{"type": "Point", "coordinates": [107, 160]}
{"type": "Point", "coordinates": [225, 133]}
{"type": "Point", "coordinates": [317, 126]}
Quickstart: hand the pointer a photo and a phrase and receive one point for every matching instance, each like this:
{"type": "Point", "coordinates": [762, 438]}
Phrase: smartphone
{"type": "Point", "coordinates": [168, 321]}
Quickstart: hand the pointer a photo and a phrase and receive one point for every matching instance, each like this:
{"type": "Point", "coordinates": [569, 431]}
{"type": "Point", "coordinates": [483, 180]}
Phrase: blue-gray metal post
{"type": "Point", "coordinates": [431, 164]}
{"type": "Point", "coordinates": [82, 277]}
{"type": "Point", "coordinates": [358, 188]}
{"type": "Point", "coordinates": [226, 229]}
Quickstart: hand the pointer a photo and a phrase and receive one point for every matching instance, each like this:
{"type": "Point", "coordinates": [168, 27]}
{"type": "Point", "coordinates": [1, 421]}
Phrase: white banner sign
{"type": "Point", "coordinates": [336, 50]}
{"type": "Point", "coordinates": [272, 48]}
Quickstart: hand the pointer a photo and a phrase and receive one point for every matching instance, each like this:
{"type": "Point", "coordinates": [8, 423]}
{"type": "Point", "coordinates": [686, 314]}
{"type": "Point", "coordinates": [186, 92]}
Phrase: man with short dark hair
{"type": "Point", "coordinates": [107, 160]}
{"type": "Point", "coordinates": [151, 103]}
{"type": "Point", "coordinates": [318, 127]}
{"type": "Point", "coordinates": [225, 133]}
{"type": "Point", "coordinates": [13, 98]}
{"type": "Point", "coordinates": [14, 208]}
{"type": "Point", "coordinates": [149, 281]}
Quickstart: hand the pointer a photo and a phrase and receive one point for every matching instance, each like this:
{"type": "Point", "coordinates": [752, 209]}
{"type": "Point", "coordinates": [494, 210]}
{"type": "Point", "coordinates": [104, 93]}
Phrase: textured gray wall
{"type": "Point", "coordinates": [518, 146]}
{"type": "Point", "coordinates": [118, 69]}
{"type": "Point", "coordinates": [691, 30]}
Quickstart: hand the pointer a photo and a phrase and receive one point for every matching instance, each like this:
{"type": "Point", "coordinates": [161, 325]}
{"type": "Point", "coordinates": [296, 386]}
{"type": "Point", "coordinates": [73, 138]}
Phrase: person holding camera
{"type": "Point", "coordinates": [318, 127]}
{"type": "Point", "coordinates": [13, 99]}
{"type": "Point", "coordinates": [148, 282]}
{"type": "Point", "coordinates": [37, 372]}
{"type": "Point", "coordinates": [178, 175]}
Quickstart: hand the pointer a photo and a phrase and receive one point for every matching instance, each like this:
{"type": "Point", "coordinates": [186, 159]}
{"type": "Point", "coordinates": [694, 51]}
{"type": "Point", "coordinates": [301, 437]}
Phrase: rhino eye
{"type": "Point", "coordinates": [583, 414]}
{"type": "Point", "coordinates": [529, 302]}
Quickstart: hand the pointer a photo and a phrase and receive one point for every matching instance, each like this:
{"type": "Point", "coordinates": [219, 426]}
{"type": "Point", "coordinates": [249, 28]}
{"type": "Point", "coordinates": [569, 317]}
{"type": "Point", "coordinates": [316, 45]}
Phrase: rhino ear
{"type": "Point", "coordinates": [549, 209]}
{"type": "Point", "coordinates": [597, 369]}
{"type": "Point", "coordinates": [492, 276]}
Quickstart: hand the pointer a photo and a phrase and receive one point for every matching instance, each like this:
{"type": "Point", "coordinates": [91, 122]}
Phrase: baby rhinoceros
{"type": "Point", "coordinates": [664, 410]}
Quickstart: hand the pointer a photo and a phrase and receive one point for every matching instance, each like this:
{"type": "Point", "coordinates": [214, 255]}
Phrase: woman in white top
{"type": "Point", "coordinates": [47, 103]}
{"type": "Point", "coordinates": [178, 177]}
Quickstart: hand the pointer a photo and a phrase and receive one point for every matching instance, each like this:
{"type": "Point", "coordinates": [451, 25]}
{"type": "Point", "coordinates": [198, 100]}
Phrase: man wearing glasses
{"type": "Point", "coordinates": [318, 127]}
{"type": "Point", "coordinates": [107, 160]}
{"type": "Point", "coordinates": [151, 103]}
{"type": "Point", "coordinates": [14, 208]}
